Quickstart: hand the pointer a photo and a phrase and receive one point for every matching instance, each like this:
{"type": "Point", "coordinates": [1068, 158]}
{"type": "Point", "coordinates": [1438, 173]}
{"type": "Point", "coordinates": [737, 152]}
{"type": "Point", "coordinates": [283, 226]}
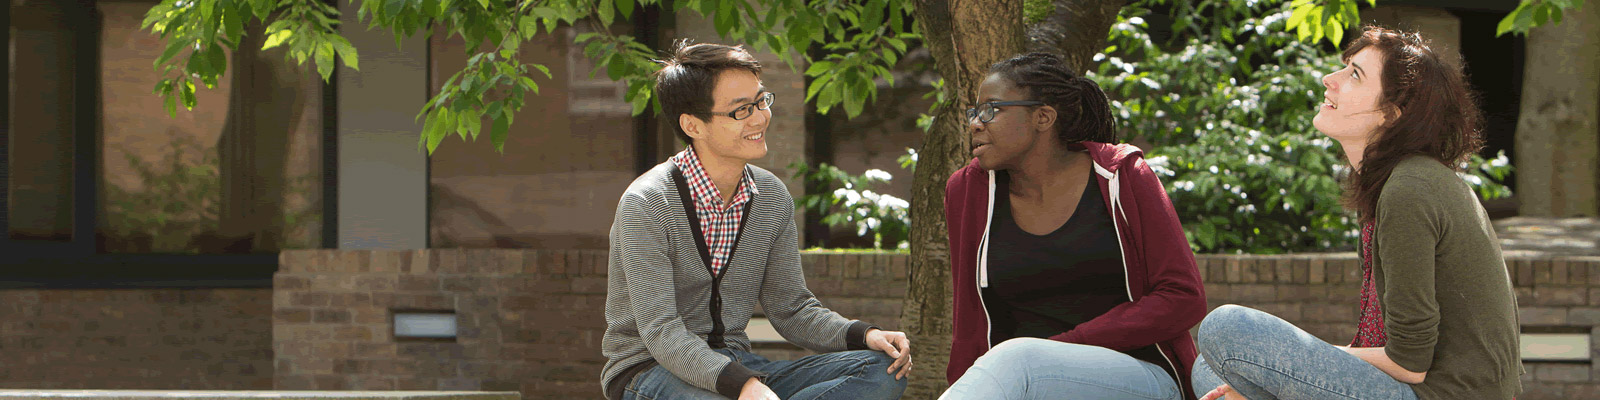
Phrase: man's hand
{"type": "Point", "coordinates": [1223, 392]}
{"type": "Point", "coordinates": [896, 345]}
{"type": "Point", "coordinates": [755, 390]}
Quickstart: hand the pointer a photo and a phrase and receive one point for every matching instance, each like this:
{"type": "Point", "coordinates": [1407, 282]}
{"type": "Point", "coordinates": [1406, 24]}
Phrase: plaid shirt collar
{"type": "Point", "coordinates": [705, 193]}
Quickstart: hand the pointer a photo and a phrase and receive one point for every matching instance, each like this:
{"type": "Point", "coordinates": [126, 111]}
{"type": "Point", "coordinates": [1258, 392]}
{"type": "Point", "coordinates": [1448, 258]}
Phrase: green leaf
{"type": "Point", "coordinates": [542, 68]}
{"type": "Point", "coordinates": [725, 18]}
{"type": "Point", "coordinates": [818, 68]}
{"type": "Point", "coordinates": [617, 68]}
{"type": "Point", "coordinates": [173, 48]}
{"type": "Point", "coordinates": [324, 56]}
{"type": "Point", "coordinates": [497, 133]}
{"type": "Point", "coordinates": [347, 52]}
{"type": "Point", "coordinates": [605, 10]}
{"type": "Point", "coordinates": [432, 131]}
{"type": "Point", "coordinates": [188, 95]}
{"type": "Point", "coordinates": [828, 98]}
{"type": "Point", "coordinates": [277, 38]}
{"type": "Point", "coordinates": [233, 23]}
{"type": "Point", "coordinates": [170, 104]}
{"type": "Point", "coordinates": [899, 45]}
{"type": "Point", "coordinates": [471, 121]}
{"type": "Point", "coordinates": [625, 7]}
{"type": "Point", "coordinates": [1335, 33]}
{"type": "Point", "coordinates": [816, 86]}
{"type": "Point", "coordinates": [532, 86]}
{"type": "Point", "coordinates": [1506, 24]}
{"type": "Point", "coordinates": [640, 100]}
{"type": "Point", "coordinates": [391, 9]}
{"type": "Point", "coordinates": [218, 60]}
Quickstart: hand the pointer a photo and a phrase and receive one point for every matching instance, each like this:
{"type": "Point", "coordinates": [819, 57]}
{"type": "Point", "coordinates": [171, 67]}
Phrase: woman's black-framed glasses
{"type": "Point", "coordinates": [985, 111]}
{"type": "Point", "coordinates": [745, 111]}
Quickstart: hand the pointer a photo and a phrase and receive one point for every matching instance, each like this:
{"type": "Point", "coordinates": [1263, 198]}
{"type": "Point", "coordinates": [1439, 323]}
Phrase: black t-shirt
{"type": "Point", "coordinates": [1042, 286]}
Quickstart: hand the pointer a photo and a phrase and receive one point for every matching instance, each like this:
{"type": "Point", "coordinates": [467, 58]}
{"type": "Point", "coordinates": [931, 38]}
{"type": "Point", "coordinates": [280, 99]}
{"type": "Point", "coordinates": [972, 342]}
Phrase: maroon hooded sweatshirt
{"type": "Point", "coordinates": [1165, 297]}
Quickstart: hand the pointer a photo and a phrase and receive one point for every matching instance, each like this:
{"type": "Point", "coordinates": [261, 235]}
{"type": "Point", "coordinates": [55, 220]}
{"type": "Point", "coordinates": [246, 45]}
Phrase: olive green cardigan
{"type": "Point", "coordinates": [1448, 304]}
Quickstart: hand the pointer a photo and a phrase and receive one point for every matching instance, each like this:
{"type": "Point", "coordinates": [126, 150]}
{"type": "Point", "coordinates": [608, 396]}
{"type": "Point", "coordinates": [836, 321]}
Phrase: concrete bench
{"type": "Point", "coordinates": [13, 394]}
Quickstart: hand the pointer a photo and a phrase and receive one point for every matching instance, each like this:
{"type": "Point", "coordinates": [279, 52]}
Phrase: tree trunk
{"type": "Point", "coordinates": [1076, 30]}
{"type": "Point", "coordinates": [1556, 130]}
{"type": "Point", "coordinates": [264, 107]}
{"type": "Point", "coordinates": [965, 38]}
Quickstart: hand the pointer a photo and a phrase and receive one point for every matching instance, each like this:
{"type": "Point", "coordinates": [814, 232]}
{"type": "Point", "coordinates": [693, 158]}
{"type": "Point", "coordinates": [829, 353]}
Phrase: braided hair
{"type": "Point", "coordinates": [1083, 111]}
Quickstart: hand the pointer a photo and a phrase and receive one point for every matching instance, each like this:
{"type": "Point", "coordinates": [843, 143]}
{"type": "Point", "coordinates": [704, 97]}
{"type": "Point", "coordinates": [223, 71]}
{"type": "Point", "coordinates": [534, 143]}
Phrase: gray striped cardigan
{"type": "Point", "coordinates": [659, 292]}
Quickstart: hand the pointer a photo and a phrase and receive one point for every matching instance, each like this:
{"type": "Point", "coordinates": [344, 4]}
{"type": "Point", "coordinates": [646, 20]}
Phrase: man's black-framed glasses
{"type": "Point", "coordinates": [745, 111]}
{"type": "Point", "coordinates": [985, 111]}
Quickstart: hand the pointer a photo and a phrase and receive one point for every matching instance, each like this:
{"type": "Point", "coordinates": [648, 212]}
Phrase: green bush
{"type": "Point", "coordinates": [852, 202]}
{"type": "Point", "coordinates": [1228, 112]}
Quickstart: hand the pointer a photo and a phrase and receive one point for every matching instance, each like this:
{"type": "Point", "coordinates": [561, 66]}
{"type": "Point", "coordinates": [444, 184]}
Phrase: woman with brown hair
{"type": "Point", "coordinates": [1438, 313]}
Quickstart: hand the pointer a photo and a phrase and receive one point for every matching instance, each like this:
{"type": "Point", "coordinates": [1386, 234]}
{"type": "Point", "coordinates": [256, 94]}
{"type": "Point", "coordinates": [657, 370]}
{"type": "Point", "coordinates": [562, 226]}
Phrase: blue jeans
{"type": "Point", "coordinates": [1264, 357]}
{"type": "Point", "coordinates": [1030, 368]}
{"type": "Point", "coordinates": [858, 374]}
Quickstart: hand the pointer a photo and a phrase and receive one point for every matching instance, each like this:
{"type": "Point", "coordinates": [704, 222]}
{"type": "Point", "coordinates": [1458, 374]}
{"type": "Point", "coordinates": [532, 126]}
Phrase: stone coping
{"type": "Point", "coordinates": [9, 394]}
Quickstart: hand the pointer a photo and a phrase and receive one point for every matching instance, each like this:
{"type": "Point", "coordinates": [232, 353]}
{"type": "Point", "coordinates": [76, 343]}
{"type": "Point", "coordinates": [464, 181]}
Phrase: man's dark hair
{"type": "Point", "coordinates": [687, 78]}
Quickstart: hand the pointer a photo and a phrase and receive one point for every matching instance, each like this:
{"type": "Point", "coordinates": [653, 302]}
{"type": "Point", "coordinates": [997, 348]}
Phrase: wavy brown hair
{"type": "Point", "coordinates": [1430, 111]}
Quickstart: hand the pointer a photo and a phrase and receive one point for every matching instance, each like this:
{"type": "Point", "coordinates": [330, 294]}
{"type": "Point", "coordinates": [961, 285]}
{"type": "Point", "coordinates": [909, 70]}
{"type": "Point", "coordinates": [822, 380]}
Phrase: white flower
{"type": "Point", "coordinates": [1500, 161]}
{"type": "Point", "coordinates": [891, 202]}
{"type": "Point", "coordinates": [850, 196]}
{"type": "Point", "coordinates": [1472, 179]}
{"type": "Point", "coordinates": [877, 174]}
{"type": "Point", "coordinates": [1136, 21]}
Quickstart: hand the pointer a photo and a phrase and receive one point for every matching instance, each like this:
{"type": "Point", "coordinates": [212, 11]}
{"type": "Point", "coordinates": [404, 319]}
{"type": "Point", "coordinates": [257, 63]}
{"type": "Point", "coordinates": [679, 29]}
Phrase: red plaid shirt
{"type": "Point", "coordinates": [719, 222]}
{"type": "Point", "coordinates": [1369, 332]}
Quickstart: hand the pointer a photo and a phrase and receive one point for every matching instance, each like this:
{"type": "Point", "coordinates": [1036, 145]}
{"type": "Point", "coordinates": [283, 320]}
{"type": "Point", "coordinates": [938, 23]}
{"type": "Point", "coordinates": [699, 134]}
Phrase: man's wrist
{"type": "Point", "coordinates": [855, 337]}
{"type": "Point", "coordinates": [733, 379]}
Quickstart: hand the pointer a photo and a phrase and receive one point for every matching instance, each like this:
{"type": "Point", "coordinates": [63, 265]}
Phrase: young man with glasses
{"type": "Point", "coordinates": [703, 238]}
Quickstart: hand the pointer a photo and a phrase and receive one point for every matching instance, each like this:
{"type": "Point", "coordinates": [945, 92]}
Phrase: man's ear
{"type": "Point", "coordinates": [692, 126]}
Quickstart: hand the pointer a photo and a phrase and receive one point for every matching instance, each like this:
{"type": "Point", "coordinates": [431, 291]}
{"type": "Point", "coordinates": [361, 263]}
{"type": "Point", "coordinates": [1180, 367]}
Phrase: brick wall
{"type": "Point", "coordinates": [531, 320]}
{"type": "Point", "coordinates": [528, 320]}
{"type": "Point", "coordinates": [136, 339]}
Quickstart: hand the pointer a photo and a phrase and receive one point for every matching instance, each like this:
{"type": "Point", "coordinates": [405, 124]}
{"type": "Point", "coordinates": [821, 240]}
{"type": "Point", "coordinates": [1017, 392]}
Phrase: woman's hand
{"type": "Point", "coordinates": [1223, 392]}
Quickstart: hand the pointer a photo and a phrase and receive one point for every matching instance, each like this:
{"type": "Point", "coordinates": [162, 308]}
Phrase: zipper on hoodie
{"type": "Point", "coordinates": [983, 270]}
{"type": "Point", "coordinates": [1114, 185]}
{"type": "Point", "coordinates": [1127, 282]}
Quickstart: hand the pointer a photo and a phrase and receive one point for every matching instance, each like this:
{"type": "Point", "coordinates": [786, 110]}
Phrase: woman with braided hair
{"type": "Point", "coordinates": [1438, 313]}
{"type": "Point", "coordinates": [1072, 275]}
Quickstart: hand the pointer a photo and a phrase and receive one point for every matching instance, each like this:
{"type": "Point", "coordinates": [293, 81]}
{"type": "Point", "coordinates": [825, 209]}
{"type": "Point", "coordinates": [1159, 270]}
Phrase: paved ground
{"type": "Point", "coordinates": [1549, 236]}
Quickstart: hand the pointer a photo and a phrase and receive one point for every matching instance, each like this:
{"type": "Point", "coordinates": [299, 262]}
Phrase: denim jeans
{"type": "Point", "coordinates": [858, 374]}
{"type": "Point", "coordinates": [1030, 368]}
{"type": "Point", "coordinates": [1264, 357]}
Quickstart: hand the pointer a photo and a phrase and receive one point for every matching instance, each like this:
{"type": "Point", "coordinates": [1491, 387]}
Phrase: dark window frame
{"type": "Point", "coordinates": [77, 264]}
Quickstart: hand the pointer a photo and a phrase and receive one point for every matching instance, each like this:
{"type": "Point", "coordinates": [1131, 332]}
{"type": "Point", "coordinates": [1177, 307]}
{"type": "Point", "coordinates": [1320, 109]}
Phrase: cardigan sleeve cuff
{"type": "Point", "coordinates": [855, 338]}
{"type": "Point", "coordinates": [731, 381]}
